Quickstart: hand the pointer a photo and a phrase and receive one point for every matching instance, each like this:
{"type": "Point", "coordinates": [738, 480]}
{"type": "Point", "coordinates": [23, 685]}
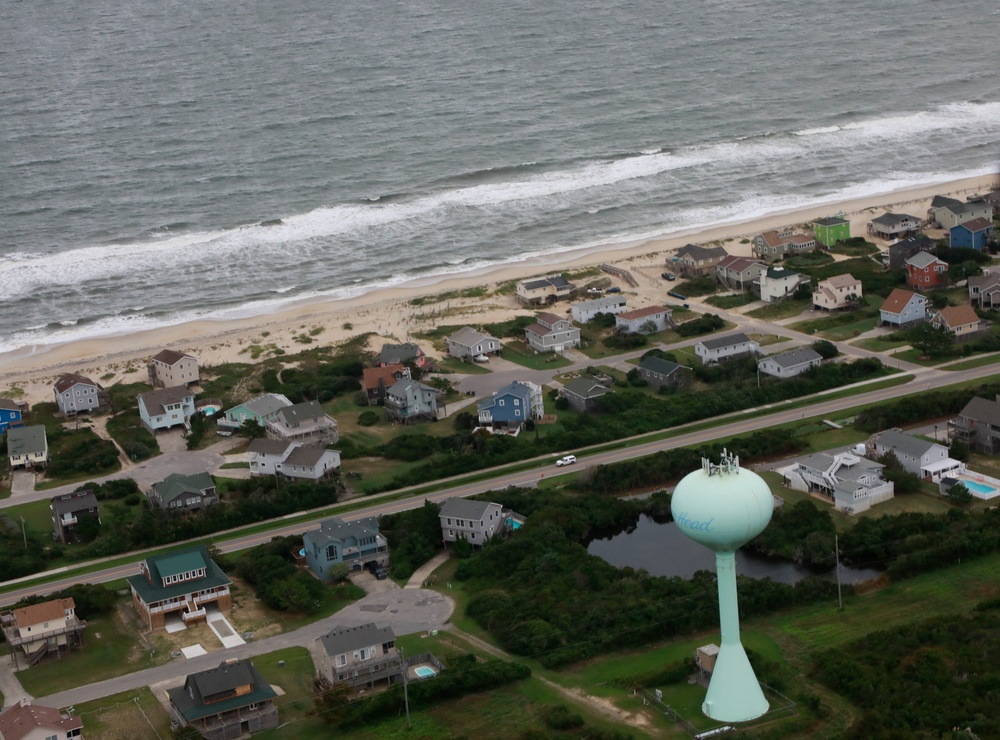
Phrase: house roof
{"type": "Point", "coordinates": [24, 717]}
{"type": "Point", "coordinates": [641, 313]}
{"type": "Point", "coordinates": [986, 280]}
{"type": "Point", "coordinates": [374, 377]}
{"type": "Point", "coordinates": [465, 508]}
{"type": "Point", "coordinates": [266, 404]}
{"type": "Point", "coordinates": [264, 446]}
{"type": "Point", "coordinates": [539, 330]}
{"type": "Point", "coordinates": [611, 300]}
{"type": "Point", "coordinates": [170, 357]}
{"type": "Point", "coordinates": [975, 225]}
{"type": "Point", "coordinates": [941, 201]}
{"type": "Point", "coordinates": [514, 388]}
{"type": "Point", "coordinates": [697, 252]}
{"type": "Point", "coordinates": [305, 411]}
{"type": "Point", "coordinates": [342, 640]}
{"type": "Point", "coordinates": [780, 273]}
{"type": "Point", "coordinates": [467, 336]}
{"type": "Point", "coordinates": [403, 385]}
{"type": "Point", "coordinates": [659, 365]}
{"type": "Point", "coordinates": [549, 318]}
{"type": "Point", "coordinates": [176, 484]}
{"type": "Point", "coordinates": [26, 440]}
{"type": "Point", "coordinates": [730, 340]}
{"type": "Point", "coordinates": [898, 300]}
{"type": "Point", "coordinates": [958, 207]}
{"type": "Point", "coordinates": [738, 264]}
{"type": "Point", "coordinates": [68, 380]}
{"type": "Point", "coordinates": [214, 691]}
{"type": "Point", "coordinates": [398, 353]}
{"type": "Point", "coordinates": [894, 439]}
{"type": "Point", "coordinates": [847, 280]}
{"type": "Point", "coordinates": [556, 281]}
{"type": "Point", "coordinates": [923, 259]}
{"type": "Point", "coordinates": [8, 404]}
{"type": "Point", "coordinates": [70, 502]}
{"type": "Point", "coordinates": [914, 243]}
{"type": "Point", "coordinates": [47, 611]}
{"type": "Point", "coordinates": [894, 219]}
{"type": "Point", "coordinates": [831, 221]}
{"type": "Point", "coordinates": [795, 357]}
{"type": "Point", "coordinates": [955, 316]}
{"type": "Point", "coordinates": [178, 561]}
{"type": "Point", "coordinates": [157, 400]}
{"type": "Point", "coordinates": [306, 455]}
{"type": "Point", "coordinates": [983, 410]}
{"type": "Point", "coordinates": [335, 529]}
{"type": "Point", "coordinates": [585, 388]}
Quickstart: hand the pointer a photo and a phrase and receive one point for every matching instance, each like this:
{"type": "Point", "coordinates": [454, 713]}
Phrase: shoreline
{"type": "Point", "coordinates": [387, 312]}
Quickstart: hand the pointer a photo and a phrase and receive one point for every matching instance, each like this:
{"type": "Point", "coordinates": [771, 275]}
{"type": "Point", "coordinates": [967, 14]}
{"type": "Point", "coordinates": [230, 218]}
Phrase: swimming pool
{"type": "Point", "coordinates": [980, 490]}
{"type": "Point", "coordinates": [514, 524]}
{"type": "Point", "coordinates": [209, 410]}
{"type": "Point", "coordinates": [424, 672]}
{"type": "Point", "coordinates": [977, 487]}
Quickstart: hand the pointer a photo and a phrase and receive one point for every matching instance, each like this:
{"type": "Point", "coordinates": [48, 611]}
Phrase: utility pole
{"type": "Point", "coordinates": [406, 691]}
{"type": "Point", "coordinates": [24, 533]}
{"type": "Point", "coordinates": [836, 551]}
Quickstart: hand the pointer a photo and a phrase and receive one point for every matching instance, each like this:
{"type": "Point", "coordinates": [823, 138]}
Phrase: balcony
{"type": "Point", "coordinates": [192, 614]}
{"type": "Point", "coordinates": [68, 520]}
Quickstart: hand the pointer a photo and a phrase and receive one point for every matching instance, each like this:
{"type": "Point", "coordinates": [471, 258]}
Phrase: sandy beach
{"type": "Point", "coordinates": [28, 372]}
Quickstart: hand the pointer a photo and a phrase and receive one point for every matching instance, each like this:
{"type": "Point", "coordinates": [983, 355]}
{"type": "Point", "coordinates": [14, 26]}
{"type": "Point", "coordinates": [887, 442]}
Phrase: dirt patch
{"type": "Point", "coordinates": [606, 706]}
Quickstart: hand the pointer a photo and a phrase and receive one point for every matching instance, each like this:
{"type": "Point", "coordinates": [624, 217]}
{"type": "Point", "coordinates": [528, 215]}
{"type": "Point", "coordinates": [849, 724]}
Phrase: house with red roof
{"type": "Point", "coordinates": [739, 273]}
{"type": "Point", "coordinates": [27, 721]}
{"type": "Point", "coordinates": [37, 630]}
{"type": "Point", "coordinates": [169, 368]}
{"type": "Point", "coordinates": [377, 379]}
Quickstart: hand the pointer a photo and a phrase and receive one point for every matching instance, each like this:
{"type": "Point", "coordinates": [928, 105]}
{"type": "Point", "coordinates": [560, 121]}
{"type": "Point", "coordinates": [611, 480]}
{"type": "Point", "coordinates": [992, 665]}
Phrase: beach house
{"type": "Point", "coordinates": [921, 457]}
{"type": "Point", "coordinates": [739, 273]}
{"type": "Point", "coordinates": [895, 255]}
{"type": "Point", "coordinates": [409, 401]}
{"type": "Point", "coordinates": [292, 460]}
{"type": "Point", "coordinates": [550, 333]}
{"type": "Point", "coordinates": [541, 291]}
{"type": "Point", "coordinates": [260, 410]}
{"type": "Point", "coordinates": [26, 720]}
{"type": "Point", "coordinates": [377, 379]}
{"type": "Point", "coordinates": [776, 245]}
{"type": "Point", "coordinates": [778, 283]}
{"type": "Point", "coordinates": [231, 701]}
{"type": "Point", "coordinates": [77, 394]}
{"type": "Point", "coordinates": [10, 414]}
{"type": "Point", "coordinates": [948, 212]}
{"type": "Point", "coordinates": [854, 484]}
{"type": "Point", "coordinates": [34, 631]}
{"type": "Point", "coordinates": [961, 322]}
{"type": "Point", "coordinates": [719, 349]}
{"type": "Point", "coordinates": [183, 493]}
{"type": "Point", "coordinates": [583, 394]}
{"type": "Point", "coordinates": [895, 226]}
{"type": "Point", "coordinates": [306, 423]}
{"type": "Point", "coordinates": [473, 521]}
{"type": "Point", "coordinates": [791, 363]}
{"type": "Point", "coordinates": [828, 231]}
{"type": "Point", "coordinates": [924, 271]}
{"type": "Point", "coordinates": [468, 343]}
{"type": "Point", "coordinates": [659, 373]}
{"type": "Point", "coordinates": [68, 510]}
{"type": "Point", "coordinates": [355, 544]}
{"type": "Point", "coordinates": [585, 311]}
{"type": "Point", "coordinates": [984, 289]}
{"type": "Point", "coordinates": [27, 447]}
{"type": "Point", "coordinates": [838, 292]}
{"type": "Point", "coordinates": [975, 234]}
{"type": "Point", "coordinates": [978, 425]}
{"type": "Point", "coordinates": [169, 368]}
{"type": "Point", "coordinates": [179, 585]}
{"type": "Point", "coordinates": [904, 308]}
{"type": "Point", "coordinates": [165, 408]}
{"type": "Point", "coordinates": [358, 656]}
{"type": "Point", "coordinates": [694, 260]}
{"type": "Point", "coordinates": [511, 406]}
{"type": "Point", "coordinates": [648, 320]}
{"type": "Point", "coordinates": [402, 354]}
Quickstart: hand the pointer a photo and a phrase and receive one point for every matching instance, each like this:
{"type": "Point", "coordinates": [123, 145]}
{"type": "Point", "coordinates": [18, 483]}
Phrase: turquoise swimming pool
{"type": "Point", "coordinates": [424, 672]}
{"type": "Point", "coordinates": [514, 524]}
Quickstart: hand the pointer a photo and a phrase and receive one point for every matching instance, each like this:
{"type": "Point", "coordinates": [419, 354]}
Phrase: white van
{"type": "Point", "coordinates": [568, 460]}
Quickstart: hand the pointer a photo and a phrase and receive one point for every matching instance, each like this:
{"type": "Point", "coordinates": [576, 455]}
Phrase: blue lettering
{"type": "Point", "coordinates": [684, 521]}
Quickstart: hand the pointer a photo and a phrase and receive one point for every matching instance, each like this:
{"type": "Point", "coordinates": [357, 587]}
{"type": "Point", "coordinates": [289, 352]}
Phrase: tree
{"type": "Point", "coordinates": [826, 349]}
{"type": "Point", "coordinates": [933, 341]}
{"type": "Point", "coordinates": [959, 451]}
{"type": "Point", "coordinates": [648, 327]}
{"type": "Point", "coordinates": [959, 494]}
{"type": "Point", "coordinates": [338, 572]}
{"type": "Point", "coordinates": [253, 429]}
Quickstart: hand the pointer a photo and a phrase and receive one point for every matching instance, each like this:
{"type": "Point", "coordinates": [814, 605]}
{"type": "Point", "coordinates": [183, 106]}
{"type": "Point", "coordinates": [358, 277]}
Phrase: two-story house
{"type": "Point", "coordinates": [985, 289]}
{"type": "Point", "coordinates": [34, 631]}
{"type": "Point", "coordinates": [304, 422]}
{"type": "Point", "coordinates": [377, 379]}
{"type": "Point", "coordinates": [777, 283]}
{"type": "Point", "coordinates": [918, 456]}
{"type": "Point", "coordinates": [165, 408]}
{"type": "Point", "coordinates": [948, 212]}
{"type": "Point", "coordinates": [904, 308]}
{"type": "Point", "coordinates": [360, 656]}
{"type": "Point", "coordinates": [473, 521]}
{"type": "Point", "coordinates": [924, 271]}
{"type": "Point", "coordinates": [659, 373]}
{"type": "Point", "coordinates": [76, 394]}
{"type": "Point", "coordinates": [231, 701]}
{"type": "Point", "coordinates": [28, 721]}
{"type": "Point", "coordinates": [975, 234]}
{"type": "Point", "coordinates": [10, 414]}
{"type": "Point", "coordinates": [791, 363]}
{"type": "Point", "coordinates": [179, 584]}
{"type": "Point", "coordinates": [854, 484]}
{"type": "Point", "coordinates": [776, 245]}
{"type": "Point", "coordinates": [511, 406]}
{"type": "Point", "coordinates": [648, 320]}
{"type": "Point", "coordinates": [829, 231]}
{"type": "Point", "coordinates": [261, 410]}
{"type": "Point", "coordinates": [895, 226]}
{"type": "Point", "coordinates": [183, 493]}
{"type": "Point", "coordinates": [540, 291]}
{"type": "Point", "coordinates": [169, 368]}
{"type": "Point", "coordinates": [409, 401]}
{"type": "Point", "coordinates": [838, 292]}
{"type": "Point", "coordinates": [27, 447]}
{"type": "Point", "coordinates": [978, 425]}
{"type": "Point", "coordinates": [694, 260]}
{"type": "Point", "coordinates": [402, 354]}
{"type": "Point", "coordinates": [584, 394]}
{"type": "Point", "coordinates": [961, 322]}
{"type": "Point", "coordinates": [550, 333]}
{"type": "Point", "coordinates": [585, 311]}
{"type": "Point", "coordinates": [336, 542]}
{"type": "Point", "coordinates": [68, 510]}
{"type": "Point", "coordinates": [895, 255]}
{"type": "Point", "coordinates": [467, 344]}
{"type": "Point", "coordinates": [719, 349]}
{"type": "Point", "coordinates": [292, 460]}
{"type": "Point", "coordinates": [739, 273]}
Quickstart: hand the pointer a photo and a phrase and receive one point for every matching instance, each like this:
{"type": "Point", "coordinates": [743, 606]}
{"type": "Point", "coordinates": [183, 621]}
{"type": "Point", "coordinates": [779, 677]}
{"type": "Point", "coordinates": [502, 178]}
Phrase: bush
{"type": "Point", "coordinates": [561, 717]}
{"type": "Point", "coordinates": [562, 403]}
{"type": "Point", "coordinates": [703, 325]}
{"type": "Point", "coordinates": [133, 499]}
{"type": "Point", "coordinates": [367, 418]}
{"type": "Point", "coordinates": [626, 341]}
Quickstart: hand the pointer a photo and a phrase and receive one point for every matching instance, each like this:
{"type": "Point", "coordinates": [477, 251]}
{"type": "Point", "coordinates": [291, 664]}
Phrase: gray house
{"type": "Point", "coordinates": [551, 333]}
{"type": "Point", "coordinates": [292, 459]}
{"type": "Point", "coordinates": [467, 343]}
{"type": "Point", "coordinates": [409, 401]}
{"type": "Point", "coordinates": [949, 212]}
{"type": "Point", "coordinates": [261, 409]}
{"type": "Point", "coordinates": [659, 372]}
{"type": "Point", "coordinates": [183, 493]}
{"type": "Point", "coordinates": [985, 289]}
{"type": "Point", "coordinates": [360, 656]}
{"type": "Point", "coordinates": [791, 363]}
{"type": "Point", "coordinates": [27, 447]}
{"type": "Point", "coordinates": [336, 542]}
{"type": "Point", "coordinates": [75, 393]}
{"type": "Point", "coordinates": [719, 349]}
{"type": "Point", "coordinates": [694, 260]}
{"type": "Point", "coordinates": [473, 521]}
{"type": "Point", "coordinates": [400, 354]}
{"type": "Point", "coordinates": [978, 426]}
{"type": "Point", "coordinates": [895, 226]}
{"type": "Point", "coordinates": [67, 511]}
{"type": "Point", "coordinates": [231, 701]}
{"type": "Point", "coordinates": [918, 456]}
{"type": "Point", "coordinates": [304, 422]}
{"type": "Point", "coordinates": [583, 393]}
{"type": "Point", "coordinates": [585, 311]}
{"type": "Point", "coordinates": [853, 483]}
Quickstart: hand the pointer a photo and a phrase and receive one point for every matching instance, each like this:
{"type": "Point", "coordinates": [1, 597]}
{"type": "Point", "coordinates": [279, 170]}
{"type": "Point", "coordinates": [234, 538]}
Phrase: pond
{"type": "Point", "coordinates": [662, 550]}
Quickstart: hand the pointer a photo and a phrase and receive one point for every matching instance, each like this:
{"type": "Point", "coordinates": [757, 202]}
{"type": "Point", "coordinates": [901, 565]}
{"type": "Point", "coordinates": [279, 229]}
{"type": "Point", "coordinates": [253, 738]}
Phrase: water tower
{"type": "Point", "coordinates": [723, 507]}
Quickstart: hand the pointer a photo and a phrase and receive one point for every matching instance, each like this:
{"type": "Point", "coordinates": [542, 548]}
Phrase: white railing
{"type": "Point", "coordinates": [193, 614]}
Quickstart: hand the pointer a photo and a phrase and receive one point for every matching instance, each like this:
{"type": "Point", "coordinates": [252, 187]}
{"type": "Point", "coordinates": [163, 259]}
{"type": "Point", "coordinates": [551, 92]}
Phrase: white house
{"type": "Point", "coordinates": [718, 349]}
{"type": "Point", "coordinates": [169, 368]}
{"type": "Point", "coordinates": [918, 456]}
{"type": "Point", "coordinates": [839, 291]}
{"type": "Point", "coordinates": [778, 283]}
{"type": "Point", "coordinates": [904, 308]}
{"type": "Point", "coordinates": [474, 521]}
{"type": "Point", "coordinates": [647, 320]}
{"type": "Point", "coordinates": [791, 363]}
{"type": "Point", "coordinates": [164, 408]}
{"type": "Point", "coordinates": [551, 334]}
{"type": "Point", "coordinates": [291, 459]}
{"type": "Point", "coordinates": [467, 343]}
{"type": "Point", "coordinates": [586, 310]}
{"type": "Point", "coordinates": [853, 483]}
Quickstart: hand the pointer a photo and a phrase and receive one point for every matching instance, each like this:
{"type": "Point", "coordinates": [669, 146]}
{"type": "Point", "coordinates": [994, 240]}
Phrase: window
{"type": "Point", "coordinates": [341, 660]}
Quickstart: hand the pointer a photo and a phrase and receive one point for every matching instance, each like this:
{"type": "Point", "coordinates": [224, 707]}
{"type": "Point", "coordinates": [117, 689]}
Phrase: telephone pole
{"type": "Point", "coordinates": [406, 691]}
{"type": "Point", "coordinates": [836, 551]}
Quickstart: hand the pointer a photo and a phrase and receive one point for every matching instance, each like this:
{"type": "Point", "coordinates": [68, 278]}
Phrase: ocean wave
{"type": "Point", "coordinates": [958, 117]}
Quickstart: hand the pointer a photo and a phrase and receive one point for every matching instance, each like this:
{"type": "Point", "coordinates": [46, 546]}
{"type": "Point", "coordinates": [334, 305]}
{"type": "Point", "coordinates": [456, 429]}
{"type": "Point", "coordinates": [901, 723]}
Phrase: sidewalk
{"type": "Point", "coordinates": [421, 574]}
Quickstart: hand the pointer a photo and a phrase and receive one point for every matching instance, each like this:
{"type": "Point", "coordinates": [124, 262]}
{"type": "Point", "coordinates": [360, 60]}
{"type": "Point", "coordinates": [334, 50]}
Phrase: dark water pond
{"type": "Point", "coordinates": [662, 550]}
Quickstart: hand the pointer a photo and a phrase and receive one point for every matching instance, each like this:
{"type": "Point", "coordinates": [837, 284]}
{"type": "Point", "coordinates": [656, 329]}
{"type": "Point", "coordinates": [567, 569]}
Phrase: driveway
{"type": "Point", "coordinates": [372, 585]}
{"type": "Point", "coordinates": [406, 610]}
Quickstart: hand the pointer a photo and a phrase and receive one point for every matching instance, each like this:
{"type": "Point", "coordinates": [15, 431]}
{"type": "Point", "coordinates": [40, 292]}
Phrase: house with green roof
{"type": "Point", "coordinates": [180, 584]}
{"type": "Point", "coordinates": [183, 493]}
{"type": "Point", "coordinates": [231, 701]}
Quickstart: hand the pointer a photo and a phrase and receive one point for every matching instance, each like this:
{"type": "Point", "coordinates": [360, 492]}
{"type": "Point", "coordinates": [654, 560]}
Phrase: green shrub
{"type": "Point", "coordinates": [561, 717]}
{"type": "Point", "coordinates": [367, 418]}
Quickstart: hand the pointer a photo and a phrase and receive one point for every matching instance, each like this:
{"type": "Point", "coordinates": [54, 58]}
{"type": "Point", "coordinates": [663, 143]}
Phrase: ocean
{"type": "Point", "coordinates": [168, 161]}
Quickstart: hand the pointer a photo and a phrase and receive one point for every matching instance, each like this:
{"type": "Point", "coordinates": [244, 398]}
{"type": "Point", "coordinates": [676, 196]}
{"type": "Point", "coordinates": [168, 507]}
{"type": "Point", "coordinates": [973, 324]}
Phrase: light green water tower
{"type": "Point", "coordinates": [723, 506]}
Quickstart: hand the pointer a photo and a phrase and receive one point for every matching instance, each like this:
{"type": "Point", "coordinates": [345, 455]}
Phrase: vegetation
{"type": "Point", "coordinates": [270, 570]}
{"type": "Point", "coordinates": [705, 324]}
{"type": "Point", "coordinates": [920, 407]}
{"type": "Point", "coordinates": [413, 537]}
{"type": "Point", "coordinates": [127, 430]}
{"type": "Point", "coordinates": [698, 286]}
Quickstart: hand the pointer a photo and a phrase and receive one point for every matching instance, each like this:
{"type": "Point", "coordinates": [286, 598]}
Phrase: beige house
{"type": "Point", "coordinates": [27, 721]}
{"type": "Point", "coordinates": [540, 291]}
{"type": "Point", "coordinates": [694, 260]}
{"type": "Point", "coordinates": [950, 212]}
{"type": "Point", "coordinates": [775, 245]}
{"type": "Point", "coordinates": [777, 283]}
{"type": "Point", "coordinates": [168, 369]}
{"type": "Point", "coordinates": [359, 656]}
{"type": "Point", "coordinates": [304, 422]}
{"type": "Point", "coordinates": [960, 321]}
{"type": "Point", "coordinates": [839, 291]}
{"type": "Point", "coordinates": [35, 631]}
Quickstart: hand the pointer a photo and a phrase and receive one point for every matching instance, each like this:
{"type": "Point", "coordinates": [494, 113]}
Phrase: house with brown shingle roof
{"type": "Point", "coordinates": [694, 260]}
{"type": "Point", "coordinates": [551, 333]}
{"type": "Point", "coordinates": [839, 291]}
{"type": "Point", "coordinates": [739, 273]}
{"type": "Point", "coordinates": [27, 721]}
{"type": "Point", "coordinates": [377, 379]}
{"type": "Point", "coordinates": [164, 408]}
{"type": "Point", "coordinates": [960, 321]}
{"type": "Point", "coordinates": [643, 320]}
{"type": "Point", "coordinates": [985, 289]}
{"type": "Point", "coordinates": [76, 394]}
{"type": "Point", "coordinates": [904, 308]}
{"type": "Point", "coordinates": [169, 368]}
{"type": "Point", "coordinates": [34, 631]}
{"type": "Point", "coordinates": [775, 245]}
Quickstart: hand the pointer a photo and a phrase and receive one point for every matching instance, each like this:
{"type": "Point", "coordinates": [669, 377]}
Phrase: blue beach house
{"type": "Point", "coordinates": [352, 543]}
{"type": "Point", "coordinates": [974, 234]}
{"type": "Point", "coordinates": [511, 406]}
{"type": "Point", "coordinates": [10, 414]}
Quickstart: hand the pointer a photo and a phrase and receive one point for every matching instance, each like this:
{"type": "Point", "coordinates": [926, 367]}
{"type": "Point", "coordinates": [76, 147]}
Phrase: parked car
{"type": "Point", "coordinates": [668, 276]}
{"type": "Point", "coordinates": [481, 358]}
{"type": "Point", "coordinates": [376, 569]}
{"type": "Point", "coordinates": [614, 289]}
{"type": "Point", "coordinates": [568, 460]}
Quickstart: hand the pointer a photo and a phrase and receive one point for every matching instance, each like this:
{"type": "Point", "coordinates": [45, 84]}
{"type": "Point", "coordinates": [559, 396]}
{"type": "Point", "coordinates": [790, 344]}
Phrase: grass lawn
{"type": "Point", "coordinates": [454, 365]}
{"type": "Point", "coordinates": [974, 362]}
{"type": "Point", "coordinates": [876, 344]}
{"type": "Point", "coordinates": [135, 713]}
{"type": "Point", "coordinates": [522, 354]}
{"type": "Point", "coordinates": [126, 429]}
{"type": "Point", "coordinates": [292, 670]}
{"type": "Point", "coordinates": [838, 327]}
{"type": "Point", "coordinates": [918, 358]}
{"type": "Point", "coordinates": [779, 310]}
{"type": "Point", "coordinates": [731, 301]}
